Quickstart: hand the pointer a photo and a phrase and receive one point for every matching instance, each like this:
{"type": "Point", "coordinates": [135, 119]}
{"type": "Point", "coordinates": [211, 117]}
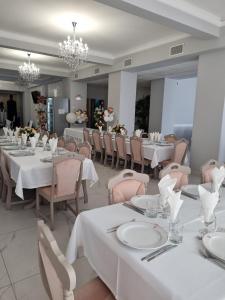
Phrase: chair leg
{"type": "Point", "coordinates": [94, 157]}
{"type": "Point", "coordinates": [105, 160]}
{"type": "Point", "coordinates": [37, 204]}
{"type": "Point", "coordinates": [77, 206]}
{"type": "Point", "coordinates": [102, 157]}
{"type": "Point", "coordinates": [142, 168]}
{"type": "Point", "coordinates": [9, 197]}
{"type": "Point", "coordinates": [125, 163]}
{"type": "Point", "coordinates": [117, 162]}
{"type": "Point", "coordinates": [112, 164]}
{"type": "Point", "coordinates": [52, 215]}
{"type": "Point", "coordinates": [132, 165]}
{"type": "Point", "coordinates": [4, 191]}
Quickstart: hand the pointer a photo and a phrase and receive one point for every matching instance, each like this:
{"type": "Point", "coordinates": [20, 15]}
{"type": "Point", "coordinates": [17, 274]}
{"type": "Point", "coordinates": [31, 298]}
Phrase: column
{"type": "Point", "coordinates": [156, 105]}
{"type": "Point", "coordinates": [207, 137]}
{"type": "Point", "coordinates": [122, 97]}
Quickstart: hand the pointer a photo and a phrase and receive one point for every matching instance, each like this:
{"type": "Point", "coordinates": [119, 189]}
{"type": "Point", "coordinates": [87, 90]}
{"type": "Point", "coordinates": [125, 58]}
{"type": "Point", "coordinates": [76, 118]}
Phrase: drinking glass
{"type": "Point", "coordinates": [209, 225]}
{"type": "Point", "coordinates": [19, 142]}
{"type": "Point", "coordinates": [152, 207]}
{"type": "Point", "coordinates": [175, 232]}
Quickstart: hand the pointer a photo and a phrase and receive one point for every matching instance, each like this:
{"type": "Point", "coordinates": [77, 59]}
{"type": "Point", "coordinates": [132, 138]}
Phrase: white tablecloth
{"type": "Point", "coordinates": [30, 173]}
{"type": "Point", "coordinates": [154, 153]}
{"type": "Point", "coordinates": [180, 274]}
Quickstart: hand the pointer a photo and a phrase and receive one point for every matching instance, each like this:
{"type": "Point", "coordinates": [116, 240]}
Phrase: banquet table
{"type": "Point", "coordinates": [30, 172]}
{"type": "Point", "coordinates": [179, 274]}
{"type": "Point", "coordinates": [153, 152]}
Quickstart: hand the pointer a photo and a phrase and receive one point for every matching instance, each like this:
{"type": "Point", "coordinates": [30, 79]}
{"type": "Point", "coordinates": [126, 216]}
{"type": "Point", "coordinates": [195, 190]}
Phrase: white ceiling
{"type": "Point", "coordinates": [106, 30]}
{"type": "Point", "coordinates": [216, 7]}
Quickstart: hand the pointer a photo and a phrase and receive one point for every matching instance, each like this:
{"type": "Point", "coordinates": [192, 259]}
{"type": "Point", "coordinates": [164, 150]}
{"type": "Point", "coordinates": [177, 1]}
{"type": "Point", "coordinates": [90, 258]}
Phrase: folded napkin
{"type": "Point", "coordinates": [11, 133]}
{"type": "Point", "coordinates": [152, 136]}
{"type": "Point", "coordinates": [110, 129]}
{"type": "Point", "coordinates": [165, 183]}
{"type": "Point", "coordinates": [17, 132]}
{"type": "Point", "coordinates": [44, 140]}
{"type": "Point", "coordinates": [53, 144]}
{"type": "Point", "coordinates": [24, 138]}
{"type": "Point", "coordinates": [122, 131]}
{"type": "Point", "coordinates": [209, 201]}
{"type": "Point", "coordinates": [5, 129]}
{"type": "Point", "coordinates": [218, 176]}
{"type": "Point", "coordinates": [175, 204]}
{"type": "Point", "coordinates": [138, 132]}
{"type": "Point", "coordinates": [33, 142]}
{"type": "Point", "coordinates": [37, 135]}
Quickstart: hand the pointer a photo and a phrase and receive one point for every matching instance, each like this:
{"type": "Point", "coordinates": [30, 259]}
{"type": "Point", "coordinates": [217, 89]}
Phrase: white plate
{"type": "Point", "coordinates": [192, 189]}
{"type": "Point", "coordinates": [141, 201]}
{"type": "Point", "coordinates": [215, 244]}
{"type": "Point", "coordinates": [142, 235]}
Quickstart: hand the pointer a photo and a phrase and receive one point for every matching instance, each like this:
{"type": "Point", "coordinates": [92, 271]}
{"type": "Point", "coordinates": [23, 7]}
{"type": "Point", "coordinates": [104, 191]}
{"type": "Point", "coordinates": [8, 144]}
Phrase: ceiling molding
{"type": "Point", "coordinates": [162, 12]}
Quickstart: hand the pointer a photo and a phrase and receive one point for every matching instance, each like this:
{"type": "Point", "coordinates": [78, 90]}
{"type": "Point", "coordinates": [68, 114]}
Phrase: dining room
{"type": "Point", "coordinates": [112, 150]}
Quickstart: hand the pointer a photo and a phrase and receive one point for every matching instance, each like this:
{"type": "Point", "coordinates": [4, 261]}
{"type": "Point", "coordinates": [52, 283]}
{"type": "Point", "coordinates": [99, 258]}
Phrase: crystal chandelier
{"type": "Point", "coordinates": [73, 52]}
{"type": "Point", "coordinates": [28, 72]}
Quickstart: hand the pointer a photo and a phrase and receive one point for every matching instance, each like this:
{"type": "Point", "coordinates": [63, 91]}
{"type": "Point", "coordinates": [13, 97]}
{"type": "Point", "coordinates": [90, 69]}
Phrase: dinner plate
{"type": "Point", "coordinates": [141, 201]}
{"type": "Point", "coordinates": [11, 147]}
{"type": "Point", "coordinates": [142, 235]}
{"type": "Point", "coordinates": [215, 244]}
{"type": "Point", "coordinates": [192, 189]}
{"type": "Point", "coordinates": [47, 159]}
{"type": "Point", "coordinates": [163, 144]}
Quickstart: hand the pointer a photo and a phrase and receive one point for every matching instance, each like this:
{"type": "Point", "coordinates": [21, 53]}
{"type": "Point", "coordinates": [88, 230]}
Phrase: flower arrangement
{"type": "Point", "coordinates": [81, 116]}
{"type": "Point", "coordinates": [99, 118]}
{"type": "Point", "coordinates": [27, 130]}
{"type": "Point", "coordinates": [41, 115]}
{"type": "Point", "coordinates": [109, 115]}
{"type": "Point", "coordinates": [119, 128]}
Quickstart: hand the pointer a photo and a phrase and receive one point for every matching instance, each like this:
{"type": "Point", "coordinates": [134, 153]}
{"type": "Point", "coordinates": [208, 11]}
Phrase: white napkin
{"type": "Point", "coordinates": [209, 202]}
{"type": "Point", "coordinates": [138, 132]}
{"type": "Point", "coordinates": [17, 132]}
{"type": "Point", "coordinates": [37, 135]}
{"type": "Point", "coordinates": [5, 129]}
{"type": "Point", "coordinates": [122, 131]}
{"type": "Point", "coordinates": [53, 144]}
{"type": "Point", "coordinates": [110, 129]}
{"type": "Point", "coordinates": [175, 204]}
{"type": "Point", "coordinates": [152, 136]}
{"type": "Point", "coordinates": [24, 138]}
{"type": "Point", "coordinates": [218, 176]}
{"type": "Point", "coordinates": [11, 132]}
{"type": "Point", "coordinates": [165, 183]}
{"type": "Point", "coordinates": [44, 140]}
{"type": "Point", "coordinates": [33, 142]}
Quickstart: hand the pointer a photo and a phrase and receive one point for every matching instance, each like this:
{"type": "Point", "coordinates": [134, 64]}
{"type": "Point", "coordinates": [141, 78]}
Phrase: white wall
{"type": "Point", "coordinates": [178, 103]}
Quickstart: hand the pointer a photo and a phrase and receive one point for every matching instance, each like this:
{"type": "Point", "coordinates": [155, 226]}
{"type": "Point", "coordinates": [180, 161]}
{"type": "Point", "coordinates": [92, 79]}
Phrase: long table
{"type": "Point", "coordinates": [155, 153]}
{"type": "Point", "coordinates": [180, 274]}
{"type": "Point", "coordinates": [29, 172]}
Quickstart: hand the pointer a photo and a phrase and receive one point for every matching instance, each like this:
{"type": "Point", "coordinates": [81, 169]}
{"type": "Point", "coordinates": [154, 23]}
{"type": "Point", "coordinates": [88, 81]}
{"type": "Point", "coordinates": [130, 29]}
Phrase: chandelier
{"type": "Point", "coordinates": [28, 72]}
{"type": "Point", "coordinates": [73, 52]}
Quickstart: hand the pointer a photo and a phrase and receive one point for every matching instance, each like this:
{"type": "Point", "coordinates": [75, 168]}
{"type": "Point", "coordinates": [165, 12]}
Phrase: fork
{"type": "Point", "coordinates": [114, 228]}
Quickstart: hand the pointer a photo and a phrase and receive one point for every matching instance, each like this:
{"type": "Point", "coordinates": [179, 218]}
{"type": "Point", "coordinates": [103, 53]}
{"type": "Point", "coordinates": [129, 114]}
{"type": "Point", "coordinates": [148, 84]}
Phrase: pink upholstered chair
{"type": "Point", "coordinates": [61, 142]}
{"type": "Point", "coordinates": [109, 150]}
{"type": "Point", "coordinates": [8, 185]}
{"type": "Point", "coordinates": [86, 136]}
{"type": "Point", "coordinates": [206, 170]}
{"type": "Point", "coordinates": [121, 150]}
{"type": "Point", "coordinates": [137, 155]}
{"type": "Point", "coordinates": [177, 171]}
{"type": "Point", "coordinates": [59, 277]}
{"type": "Point", "coordinates": [97, 142]}
{"type": "Point", "coordinates": [71, 146]}
{"type": "Point", "coordinates": [85, 150]}
{"type": "Point", "coordinates": [127, 184]}
{"type": "Point", "coordinates": [180, 151]}
{"type": "Point", "coordinates": [66, 181]}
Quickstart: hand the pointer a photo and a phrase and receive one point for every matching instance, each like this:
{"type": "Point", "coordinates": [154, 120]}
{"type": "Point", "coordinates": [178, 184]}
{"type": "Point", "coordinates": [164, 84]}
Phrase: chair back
{"type": "Point", "coordinates": [121, 149]}
{"type": "Point", "coordinates": [61, 142]}
{"type": "Point", "coordinates": [177, 171]}
{"type": "Point", "coordinates": [206, 170]}
{"type": "Point", "coordinates": [58, 276]}
{"type": "Point", "coordinates": [71, 146]}
{"type": "Point", "coordinates": [96, 136]}
{"type": "Point", "coordinates": [127, 184]}
{"type": "Point", "coordinates": [180, 151]}
{"type": "Point", "coordinates": [67, 175]}
{"type": "Point", "coordinates": [170, 138]}
{"type": "Point", "coordinates": [107, 139]}
{"type": "Point", "coordinates": [136, 149]}
{"type": "Point", "coordinates": [85, 150]}
{"type": "Point", "coordinates": [86, 136]}
{"type": "Point", "coordinates": [5, 169]}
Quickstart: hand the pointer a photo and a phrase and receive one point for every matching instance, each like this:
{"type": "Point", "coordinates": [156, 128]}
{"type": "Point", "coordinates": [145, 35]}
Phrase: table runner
{"type": "Point", "coordinates": [180, 274]}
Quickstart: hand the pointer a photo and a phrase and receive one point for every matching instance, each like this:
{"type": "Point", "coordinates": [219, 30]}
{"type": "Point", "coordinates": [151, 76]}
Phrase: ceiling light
{"type": "Point", "coordinates": [28, 72]}
{"type": "Point", "coordinates": [73, 51]}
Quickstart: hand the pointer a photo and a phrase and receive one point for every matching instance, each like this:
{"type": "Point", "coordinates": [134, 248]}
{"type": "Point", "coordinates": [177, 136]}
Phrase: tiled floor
{"type": "Point", "coordinates": [19, 271]}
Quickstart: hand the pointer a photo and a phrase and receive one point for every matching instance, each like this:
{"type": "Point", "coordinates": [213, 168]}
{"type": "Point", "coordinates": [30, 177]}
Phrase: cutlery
{"type": "Point", "coordinates": [206, 255]}
{"type": "Point", "coordinates": [114, 228]}
{"type": "Point", "coordinates": [156, 252]}
{"type": "Point", "coordinates": [140, 211]}
{"type": "Point", "coordinates": [189, 195]}
{"type": "Point", "coordinates": [161, 252]}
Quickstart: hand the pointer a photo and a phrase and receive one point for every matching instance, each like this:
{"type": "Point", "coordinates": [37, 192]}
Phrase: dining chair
{"type": "Point", "coordinates": [66, 182]}
{"type": "Point", "coordinates": [86, 135]}
{"type": "Point", "coordinates": [127, 184]}
{"type": "Point", "coordinates": [180, 151]}
{"type": "Point", "coordinates": [97, 142]}
{"type": "Point", "coordinates": [61, 142]}
{"type": "Point", "coordinates": [109, 149]}
{"type": "Point", "coordinates": [59, 277]}
{"type": "Point", "coordinates": [137, 155]}
{"type": "Point", "coordinates": [206, 170]}
{"type": "Point", "coordinates": [71, 146]}
{"type": "Point", "coordinates": [170, 138]}
{"type": "Point", "coordinates": [121, 150]}
{"type": "Point", "coordinates": [8, 185]}
{"type": "Point", "coordinates": [177, 171]}
{"type": "Point", "coordinates": [85, 149]}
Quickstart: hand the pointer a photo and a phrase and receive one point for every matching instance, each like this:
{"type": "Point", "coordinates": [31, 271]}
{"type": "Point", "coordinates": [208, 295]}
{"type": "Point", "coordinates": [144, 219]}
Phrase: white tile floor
{"type": "Point", "coordinates": [19, 271]}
